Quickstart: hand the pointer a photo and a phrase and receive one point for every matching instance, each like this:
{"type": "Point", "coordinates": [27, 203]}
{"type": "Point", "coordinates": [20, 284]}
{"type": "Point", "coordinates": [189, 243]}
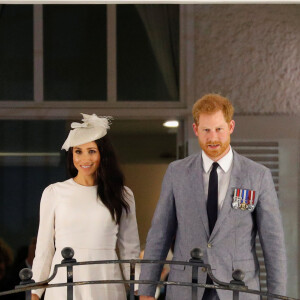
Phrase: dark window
{"type": "Point", "coordinates": [75, 52]}
{"type": "Point", "coordinates": [16, 52]}
{"type": "Point", "coordinates": [30, 160]}
{"type": "Point", "coordinates": [148, 56]}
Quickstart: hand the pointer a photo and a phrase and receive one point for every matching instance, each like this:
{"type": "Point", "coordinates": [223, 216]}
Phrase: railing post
{"type": "Point", "coordinates": [235, 295]}
{"type": "Point", "coordinates": [68, 254]}
{"type": "Point", "coordinates": [26, 278]}
{"type": "Point", "coordinates": [196, 255]}
{"type": "Point", "coordinates": [238, 276]}
{"type": "Point", "coordinates": [132, 276]}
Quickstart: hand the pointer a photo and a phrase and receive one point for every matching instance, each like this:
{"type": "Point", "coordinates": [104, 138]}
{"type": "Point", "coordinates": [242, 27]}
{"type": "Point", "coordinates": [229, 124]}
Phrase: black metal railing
{"type": "Point", "coordinates": [236, 285]}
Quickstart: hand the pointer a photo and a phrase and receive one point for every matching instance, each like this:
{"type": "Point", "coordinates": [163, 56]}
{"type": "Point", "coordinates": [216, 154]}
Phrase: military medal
{"type": "Point", "coordinates": [243, 199]}
{"type": "Point", "coordinates": [236, 199]}
{"type": "Point", "coordinates": [251, 198]}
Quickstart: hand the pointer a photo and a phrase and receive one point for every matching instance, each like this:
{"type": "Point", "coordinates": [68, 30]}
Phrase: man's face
{"type": "Point", "coordinates": [213, 134]}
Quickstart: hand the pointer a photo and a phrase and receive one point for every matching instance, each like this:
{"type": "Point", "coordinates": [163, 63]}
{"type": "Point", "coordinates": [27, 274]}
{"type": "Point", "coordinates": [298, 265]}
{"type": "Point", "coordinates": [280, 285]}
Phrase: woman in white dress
{"type": "Point", "coordinates": [93, 212]}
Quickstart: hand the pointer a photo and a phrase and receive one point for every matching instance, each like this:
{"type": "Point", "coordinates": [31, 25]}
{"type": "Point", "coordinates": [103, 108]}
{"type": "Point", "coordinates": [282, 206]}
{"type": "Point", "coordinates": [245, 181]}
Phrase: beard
{"type": "Point", "coordinates": [214, 153]}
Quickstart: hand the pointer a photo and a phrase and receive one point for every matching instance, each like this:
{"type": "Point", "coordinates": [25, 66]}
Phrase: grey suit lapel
{"type": "Point", "coordinates": [198, 196]}
{"type": "Point", "coordinates": [236, 180]}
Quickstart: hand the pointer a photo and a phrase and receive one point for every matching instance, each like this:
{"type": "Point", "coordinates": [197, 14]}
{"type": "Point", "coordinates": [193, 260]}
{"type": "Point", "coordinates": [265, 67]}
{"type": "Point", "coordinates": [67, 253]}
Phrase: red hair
{"type": "Point", "coordinates": [211, 103]}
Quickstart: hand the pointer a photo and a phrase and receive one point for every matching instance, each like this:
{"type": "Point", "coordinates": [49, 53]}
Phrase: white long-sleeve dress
{"type": "Point", "coordinates": [72, 215]}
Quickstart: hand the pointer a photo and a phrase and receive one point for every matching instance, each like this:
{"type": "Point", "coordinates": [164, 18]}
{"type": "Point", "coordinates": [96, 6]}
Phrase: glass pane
{"type": "Point", "coordinates": [148, 56]}
{"type": "Point", "coordinates": [75, 52]}
{"type": "Point", "coordinates": [30, 160]}
{"type": "Point", "coordinates": [16, 52]}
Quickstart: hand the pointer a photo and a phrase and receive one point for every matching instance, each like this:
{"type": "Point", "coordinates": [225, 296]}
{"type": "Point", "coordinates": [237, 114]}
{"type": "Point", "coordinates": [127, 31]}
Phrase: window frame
{"type": "Point", "coordinates": [40, 109]}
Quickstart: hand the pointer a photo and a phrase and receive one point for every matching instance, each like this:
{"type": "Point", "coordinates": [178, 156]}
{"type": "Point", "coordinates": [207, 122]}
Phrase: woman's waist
{"type": "Point", "coordinates": [85, 241]}
{"type": "Point", "coordinates": [85, 247]}
{"type": "Point", "coordinates": [86, 254]}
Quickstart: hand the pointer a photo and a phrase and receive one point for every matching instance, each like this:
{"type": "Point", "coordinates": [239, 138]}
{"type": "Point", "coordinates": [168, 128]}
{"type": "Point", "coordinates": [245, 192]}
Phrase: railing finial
{"type": "Point", "coordinates": [197, 255]}
{"type": "Point", "coordinates": [67, 253]}
{"type": "Point", "coordinates": [26, 276]}
{"type": "Point", "coordinates": [238, 277]}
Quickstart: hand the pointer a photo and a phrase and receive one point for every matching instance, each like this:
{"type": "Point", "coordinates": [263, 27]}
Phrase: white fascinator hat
{"type": "Point", "coordinates": [92, 128]}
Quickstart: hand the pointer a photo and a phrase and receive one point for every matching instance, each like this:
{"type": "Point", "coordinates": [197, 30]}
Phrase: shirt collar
{"type": "Point", "coordinates": [225, 162]}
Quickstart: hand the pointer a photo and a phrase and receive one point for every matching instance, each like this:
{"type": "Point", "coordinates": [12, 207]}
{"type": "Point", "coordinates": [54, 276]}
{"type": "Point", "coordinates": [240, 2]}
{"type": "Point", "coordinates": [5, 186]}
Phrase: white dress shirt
{"type": "Point", "coordinates": [224, 172]}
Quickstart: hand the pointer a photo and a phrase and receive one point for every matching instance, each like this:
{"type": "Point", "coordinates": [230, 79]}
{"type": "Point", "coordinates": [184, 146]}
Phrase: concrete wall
{"type": "Point", "coordinates": [251, 54]}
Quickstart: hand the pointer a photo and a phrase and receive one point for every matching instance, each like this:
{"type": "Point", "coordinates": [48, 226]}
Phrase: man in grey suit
{"type": "Point", "coordinates": [216, 200]}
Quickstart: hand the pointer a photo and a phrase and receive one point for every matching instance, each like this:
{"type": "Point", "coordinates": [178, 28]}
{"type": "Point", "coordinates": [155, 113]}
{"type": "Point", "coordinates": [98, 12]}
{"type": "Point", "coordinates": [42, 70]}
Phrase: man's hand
{"type": "Point", "coordinates": [146, 298]}
{"type": "Point", "coordinates": [34, 297]}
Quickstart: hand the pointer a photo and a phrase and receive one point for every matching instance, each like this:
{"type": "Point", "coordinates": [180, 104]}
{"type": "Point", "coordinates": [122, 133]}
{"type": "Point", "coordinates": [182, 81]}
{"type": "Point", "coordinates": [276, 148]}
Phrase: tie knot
{"type": "Point", "coordinates": [214, 166]}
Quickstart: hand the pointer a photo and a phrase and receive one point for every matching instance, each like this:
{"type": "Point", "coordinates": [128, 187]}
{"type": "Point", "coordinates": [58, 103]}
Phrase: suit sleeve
{"type": "Point", "coordinates": [271, 236]}
{"type": "Point", "coordinates": [45, 241]}
{"type": "Point", "coordinates": [128, 237]}
{"type": "Point", "coordinates": [160, 236]}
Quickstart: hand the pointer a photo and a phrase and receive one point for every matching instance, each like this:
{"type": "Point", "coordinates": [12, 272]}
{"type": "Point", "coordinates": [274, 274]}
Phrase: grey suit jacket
{"type": "Point", "coordinates": [181, 212]}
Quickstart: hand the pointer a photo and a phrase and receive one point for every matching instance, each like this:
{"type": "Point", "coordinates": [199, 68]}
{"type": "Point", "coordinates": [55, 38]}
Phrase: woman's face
{"type": "Point", "coordinates": [86, 159]}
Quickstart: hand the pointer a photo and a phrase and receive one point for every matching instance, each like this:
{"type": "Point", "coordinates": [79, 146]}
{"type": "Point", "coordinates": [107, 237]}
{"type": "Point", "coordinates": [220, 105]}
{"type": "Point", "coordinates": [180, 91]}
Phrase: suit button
{"type": "Point", "coordinates": [209, 245]}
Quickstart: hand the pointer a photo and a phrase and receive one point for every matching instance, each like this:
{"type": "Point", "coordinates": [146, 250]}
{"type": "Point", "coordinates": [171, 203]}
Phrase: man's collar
{"type": "Point", "coordinates": [225, 162]}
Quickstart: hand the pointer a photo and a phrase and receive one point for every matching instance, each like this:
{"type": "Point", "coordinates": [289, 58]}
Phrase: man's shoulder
{"type": "Point", "coordinates": [249, 164]}
{"type": "Point", "coordinates": [185, 162]}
